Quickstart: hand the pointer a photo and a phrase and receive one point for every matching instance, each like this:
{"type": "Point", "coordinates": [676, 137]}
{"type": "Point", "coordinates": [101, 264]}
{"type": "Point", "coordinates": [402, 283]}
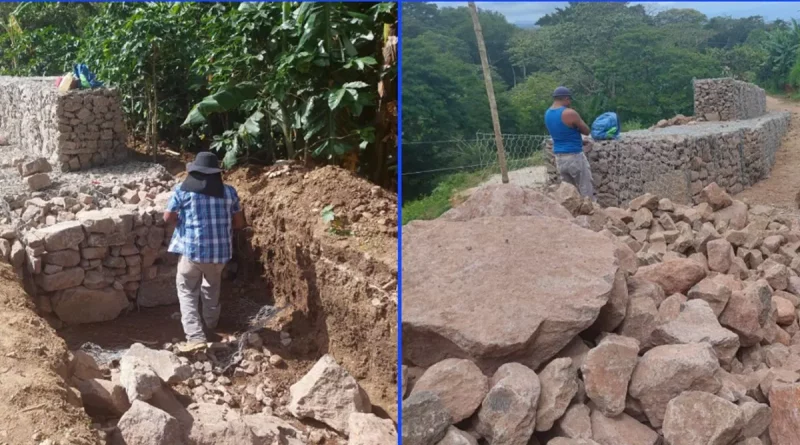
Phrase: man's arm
{"type": "Point", "coordinates": [171, 218]}
{"type": "Point", "coordinates": [173, 207]}
{"type": "Point", "coordinates": [573, 119]}
{"type": "Point", "coordinates": [238, 221]}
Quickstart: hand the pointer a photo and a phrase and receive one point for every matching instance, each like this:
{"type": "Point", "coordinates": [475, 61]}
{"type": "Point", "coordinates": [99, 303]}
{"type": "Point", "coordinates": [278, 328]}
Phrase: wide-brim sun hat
{"type": "Point", "coordinates": [562, 92]}
{"type": "Point", "coordinates": [205, 162]}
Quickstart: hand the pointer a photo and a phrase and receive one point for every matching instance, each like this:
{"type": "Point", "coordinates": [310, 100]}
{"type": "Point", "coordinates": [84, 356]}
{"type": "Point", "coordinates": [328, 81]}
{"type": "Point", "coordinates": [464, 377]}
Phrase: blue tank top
{"type": "Point", "coordinates": [565, 139]}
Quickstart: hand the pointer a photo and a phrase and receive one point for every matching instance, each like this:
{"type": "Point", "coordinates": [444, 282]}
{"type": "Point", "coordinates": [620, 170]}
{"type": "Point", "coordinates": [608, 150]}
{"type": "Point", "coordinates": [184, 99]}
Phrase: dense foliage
{"type": "Point", "coordinates": [265, 81]}
{"type": "Point", "coordinates": [614, 56]}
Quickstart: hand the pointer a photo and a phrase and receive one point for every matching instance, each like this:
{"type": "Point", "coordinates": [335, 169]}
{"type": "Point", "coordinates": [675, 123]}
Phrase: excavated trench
{"type": "Point", "coordinates": [297, 289]}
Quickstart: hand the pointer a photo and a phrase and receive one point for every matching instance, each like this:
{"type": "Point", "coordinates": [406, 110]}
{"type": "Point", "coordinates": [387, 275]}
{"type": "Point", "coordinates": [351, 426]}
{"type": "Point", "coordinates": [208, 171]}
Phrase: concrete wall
{"type": "Point", "coordinates": [727, 99]}
{"type": "Point", "coordinates": [76, 130]}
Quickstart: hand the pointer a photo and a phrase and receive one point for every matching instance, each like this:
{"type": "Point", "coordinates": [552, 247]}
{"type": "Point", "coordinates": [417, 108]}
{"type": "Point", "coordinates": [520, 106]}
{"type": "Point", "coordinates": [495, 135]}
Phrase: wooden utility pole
{"type": "Point", "coordinates": [487, 78]}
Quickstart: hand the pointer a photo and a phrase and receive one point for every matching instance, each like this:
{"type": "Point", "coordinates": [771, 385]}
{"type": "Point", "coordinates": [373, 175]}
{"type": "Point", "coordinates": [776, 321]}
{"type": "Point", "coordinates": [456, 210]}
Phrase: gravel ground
{"type": "Point", "coordinates": [98, 182]}
{"type": "Point", "coordinates": [525, 177]}
{"type": "Point", "coordinates": [84, 181]}
{"type": "Point", "coordinates": [699, 128]}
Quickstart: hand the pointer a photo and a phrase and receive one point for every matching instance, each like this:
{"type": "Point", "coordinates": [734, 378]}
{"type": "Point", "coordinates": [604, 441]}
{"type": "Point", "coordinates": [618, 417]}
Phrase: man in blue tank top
{"type": "Point", "coordinates": [567, 129]}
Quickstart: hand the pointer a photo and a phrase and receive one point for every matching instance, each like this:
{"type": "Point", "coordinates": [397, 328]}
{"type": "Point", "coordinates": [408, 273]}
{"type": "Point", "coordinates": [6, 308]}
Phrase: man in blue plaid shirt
{"type": "Point", "coordinates": [206, 212]}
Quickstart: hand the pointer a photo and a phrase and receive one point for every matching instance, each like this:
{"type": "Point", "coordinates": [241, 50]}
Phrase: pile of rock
{"type": "Point", "coordinates": [727, 99]}
{"type": "Point", "coordinates": [142, 402]}
{"type": "Point", "coordinates": [45, 208]}
{"type": "Point", "coordinates": [664, 323]}
{"type": "Point", "coordinates": [35, 173]}
{"type": "Point", "coordinates": [677, 120]}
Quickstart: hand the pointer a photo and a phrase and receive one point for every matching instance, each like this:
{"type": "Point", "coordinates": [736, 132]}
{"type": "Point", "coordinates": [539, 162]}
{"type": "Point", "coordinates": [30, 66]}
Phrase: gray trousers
{"type": "Point", "coordinates": [196, 281]}
{"type": "Point", "coordinates": [574, 169]}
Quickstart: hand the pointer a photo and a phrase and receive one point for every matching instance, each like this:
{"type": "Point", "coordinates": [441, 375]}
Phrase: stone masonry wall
{"type": "Point", "coordinates": [76, 130]}
{"type": "Point", "coordinates": [727, 99]}
{"type": "Point", "coordinates": [678, 166]}
{"type": "Point", "coordinates": [677, 162]}
{"type": "Point", "coordinates": [91, 269]}
{"type": "Point", "coordinates": [91, 129]}
{"type": "Point", "coordinates": [28, 114]}
{"type": "Point", "coordinates": [89, 255]}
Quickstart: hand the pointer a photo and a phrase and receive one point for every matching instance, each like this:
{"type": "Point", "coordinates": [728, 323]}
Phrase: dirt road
{"type": "Point", "coordinates": [783, 183]}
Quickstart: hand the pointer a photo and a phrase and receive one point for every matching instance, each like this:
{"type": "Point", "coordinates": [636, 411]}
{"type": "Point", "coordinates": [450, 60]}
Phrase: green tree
{"type": "Point", "coordinates": [530, 100]}
{"type": "Point", "coordinates": [649, 80]}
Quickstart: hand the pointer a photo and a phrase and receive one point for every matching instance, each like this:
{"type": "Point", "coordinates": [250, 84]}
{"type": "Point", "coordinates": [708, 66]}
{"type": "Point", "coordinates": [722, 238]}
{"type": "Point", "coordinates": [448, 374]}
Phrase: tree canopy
{"type": "Point", "coordinates": [613, 56]}
{"type": "Point", "coordinates": [251, 81]}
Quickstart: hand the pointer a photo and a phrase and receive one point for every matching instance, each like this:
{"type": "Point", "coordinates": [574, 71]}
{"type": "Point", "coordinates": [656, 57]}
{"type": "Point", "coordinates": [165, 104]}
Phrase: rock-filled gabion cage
{"type": "Point", "coordinates": [727, 99]}
{"type": "Point", "coordinates": [679, 161]}
{"type": "Point", "coordinates": [76, 130]}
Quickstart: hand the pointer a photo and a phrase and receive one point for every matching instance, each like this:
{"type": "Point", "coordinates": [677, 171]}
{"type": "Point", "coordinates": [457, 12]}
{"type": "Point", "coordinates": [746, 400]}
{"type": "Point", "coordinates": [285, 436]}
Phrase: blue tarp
{"type": "Point", "coordinates": [87, 78]}
{"type": "Point", "coordinates": [605, 127]}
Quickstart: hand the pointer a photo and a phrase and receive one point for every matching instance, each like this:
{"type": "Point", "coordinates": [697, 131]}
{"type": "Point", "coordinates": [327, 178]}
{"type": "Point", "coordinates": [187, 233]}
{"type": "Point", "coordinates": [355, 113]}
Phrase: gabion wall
{"type": "Point", "coordinates": [727, 99]}
{"type": "Point", "coordinates": [677, 162]}
{"type": "Point", "coordinates": [76, 130]}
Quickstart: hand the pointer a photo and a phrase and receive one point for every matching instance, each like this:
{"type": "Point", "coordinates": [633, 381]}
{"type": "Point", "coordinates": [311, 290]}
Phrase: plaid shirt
{"type": "Point", "coordinates": [205, 225]}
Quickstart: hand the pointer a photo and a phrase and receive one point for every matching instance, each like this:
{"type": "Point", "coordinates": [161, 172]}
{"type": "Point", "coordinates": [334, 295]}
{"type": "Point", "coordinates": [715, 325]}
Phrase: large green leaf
{"type": "Point", "coordinates": [335, 98]}
{"type": "Point", "coordinates": [252, 126]}
{"type": "Point", "coordinates": [226, 99]}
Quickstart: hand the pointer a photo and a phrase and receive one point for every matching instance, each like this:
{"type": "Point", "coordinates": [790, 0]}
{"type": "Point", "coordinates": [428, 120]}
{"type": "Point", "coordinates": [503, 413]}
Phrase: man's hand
{"type": "Point", "coordinates": [171, 218]}
{"type": "Point", "coordinates": [587, 144]}
{"type": "Point", "coordinates": [238, 221]}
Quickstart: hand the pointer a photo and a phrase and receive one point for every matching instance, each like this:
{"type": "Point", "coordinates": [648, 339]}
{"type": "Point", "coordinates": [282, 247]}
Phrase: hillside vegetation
{"type": "Point", "coordinates": [251, 81]}
{"type": "Point", "coordinates": [614, 57]}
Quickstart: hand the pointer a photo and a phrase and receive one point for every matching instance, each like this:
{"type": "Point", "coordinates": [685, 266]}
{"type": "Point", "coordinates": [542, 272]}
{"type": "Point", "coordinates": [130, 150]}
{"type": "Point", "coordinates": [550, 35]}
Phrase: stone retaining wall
{"type": "Point", "coordinates": [87, 259]}
{"type": "Point", "coordinates": [727, 99]}
{"type": "Point", "coordinates": [677, 162]}
{"type": "Point", "coordinates": [76, 130]}
{"type": "Point", "coordinates": [92, 268]}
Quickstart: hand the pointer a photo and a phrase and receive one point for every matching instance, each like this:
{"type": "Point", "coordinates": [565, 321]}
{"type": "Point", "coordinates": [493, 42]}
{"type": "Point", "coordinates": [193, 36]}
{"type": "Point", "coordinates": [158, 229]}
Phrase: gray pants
{"type": "Point", "coordinates": [574, 169]}
{"type": "Point", "coordinates": [195, 281]}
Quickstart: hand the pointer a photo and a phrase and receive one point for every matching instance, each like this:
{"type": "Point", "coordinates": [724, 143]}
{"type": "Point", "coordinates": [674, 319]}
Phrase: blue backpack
{"type": "Point", "coordinates": [86, 77]}
{"type": "Point", "coordinates": [606, 127]}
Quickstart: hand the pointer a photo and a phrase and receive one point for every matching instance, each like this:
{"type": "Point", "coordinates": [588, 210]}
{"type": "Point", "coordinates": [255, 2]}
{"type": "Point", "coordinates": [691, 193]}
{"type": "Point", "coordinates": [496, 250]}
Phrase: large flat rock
{"type": "Point", "coordinates": [81, 305]}
{"type": "Point", "coordinates": [496, 290]}
{"type": "Point", "coordinates": [506, 200]}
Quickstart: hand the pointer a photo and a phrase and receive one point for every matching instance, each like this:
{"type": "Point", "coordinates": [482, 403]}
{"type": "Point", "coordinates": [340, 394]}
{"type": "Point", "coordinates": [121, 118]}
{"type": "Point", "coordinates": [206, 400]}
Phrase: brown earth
{"type": "Point", "coordinates": [34, 394]}
{"type": "Point", "coordinates": [337, 290]}
{"type": "Point", "coordinates": [783, 184]}
{"type": "Point", "coordinates": [342, 287]}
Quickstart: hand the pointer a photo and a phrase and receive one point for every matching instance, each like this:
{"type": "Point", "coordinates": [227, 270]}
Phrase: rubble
{"type": "Point", "coordinates": [701, 335]}
{"type": "Point", "coordinates": [460, 385]}
{"type": "Point", "coordinates": [329, 394]}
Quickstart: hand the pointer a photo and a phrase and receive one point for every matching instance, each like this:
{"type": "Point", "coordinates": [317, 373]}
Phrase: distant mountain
{"type": "Point", "coordinates": [526, 25]}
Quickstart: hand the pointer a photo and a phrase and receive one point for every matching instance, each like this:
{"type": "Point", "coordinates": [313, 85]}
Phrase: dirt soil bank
{"type": "Point", "coordinates": [342, 286]}
{"type": "Point", "coordinates": [783, 183]}
{"type": "Point", "coordinates": [35, 401]}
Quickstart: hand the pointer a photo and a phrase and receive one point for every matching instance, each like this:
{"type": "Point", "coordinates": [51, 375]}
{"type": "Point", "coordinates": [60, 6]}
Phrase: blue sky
{"type": "Point", "coordinates": [530, 12]}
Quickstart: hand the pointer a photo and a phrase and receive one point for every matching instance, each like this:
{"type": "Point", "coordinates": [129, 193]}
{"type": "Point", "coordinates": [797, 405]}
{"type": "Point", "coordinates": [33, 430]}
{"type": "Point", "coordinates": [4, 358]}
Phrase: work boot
{"type": "Point", "coordinates": [191, 346]}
